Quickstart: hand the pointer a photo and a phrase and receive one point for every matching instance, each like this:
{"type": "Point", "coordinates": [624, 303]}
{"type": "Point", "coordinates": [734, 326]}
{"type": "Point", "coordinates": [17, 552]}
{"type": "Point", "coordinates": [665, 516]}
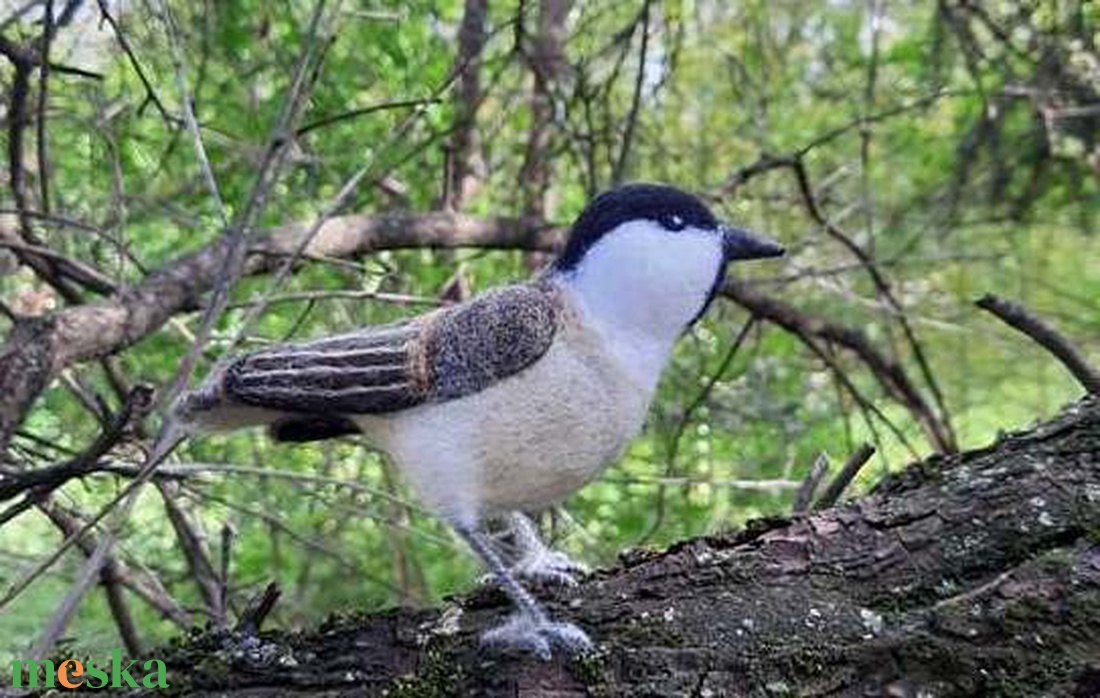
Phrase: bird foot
{"type": "Point", "coordinates": [541, 638]}
{"type": "Point", "coordinates": [550, 567]}
{"type": "Point", "coordinates": [545, 568]}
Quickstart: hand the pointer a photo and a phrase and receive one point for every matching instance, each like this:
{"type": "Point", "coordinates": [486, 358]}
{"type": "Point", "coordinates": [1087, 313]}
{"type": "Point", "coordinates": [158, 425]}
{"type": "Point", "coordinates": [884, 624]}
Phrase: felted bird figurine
{"type": "Point", "coordinates": [510, 401]}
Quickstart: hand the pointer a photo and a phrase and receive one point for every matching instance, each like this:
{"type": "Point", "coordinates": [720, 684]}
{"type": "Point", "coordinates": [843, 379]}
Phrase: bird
{"type": "Point", "coordinates": [514, 399]}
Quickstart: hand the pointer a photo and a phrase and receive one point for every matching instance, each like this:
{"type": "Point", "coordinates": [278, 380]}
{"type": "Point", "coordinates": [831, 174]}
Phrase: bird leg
{"type": "Point", "coordinates": [529, 629]}
{"type": "Point", "coordinates": [528, 558]}
{"type": "Point", "coordinates": [536, 561]}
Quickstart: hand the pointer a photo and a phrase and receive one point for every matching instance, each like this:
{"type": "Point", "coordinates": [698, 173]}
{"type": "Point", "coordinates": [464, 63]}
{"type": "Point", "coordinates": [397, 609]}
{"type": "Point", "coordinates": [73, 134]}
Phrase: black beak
{"type": "Point", "coordinates": [739, 244]}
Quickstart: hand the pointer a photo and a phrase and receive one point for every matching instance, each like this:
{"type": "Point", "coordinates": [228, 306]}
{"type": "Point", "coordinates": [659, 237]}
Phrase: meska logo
{"type": "Point", "coordinates": [72, 673]}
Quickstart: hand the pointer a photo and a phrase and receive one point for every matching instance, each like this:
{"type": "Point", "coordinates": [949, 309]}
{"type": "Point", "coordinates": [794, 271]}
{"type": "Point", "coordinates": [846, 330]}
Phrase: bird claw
{"type": "Point", "coordinates": [541, 638]}
{"type": "Point", "coordinates": [546, 568]}
{"type": "Point", "coordinates": [550, 567]}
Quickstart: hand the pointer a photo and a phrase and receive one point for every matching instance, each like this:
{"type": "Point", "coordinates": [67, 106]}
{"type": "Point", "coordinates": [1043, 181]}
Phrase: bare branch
{"type": "Point", "coordinates": [43, 98]}
{"type": "Point", "coordinates": [364, 111]}
{"type": "Point", "coordinates": [888, 373]}
{"type": "Point", "coordinates": [259, 609]}
{"type": "Point", "coordinates": [311, 296]}
{"type": "Point", "coordinates": [88, 576]}
{"type": "Point", "coordinates": [472, 38]}
{"type": "Point", "coordinates": [847, 473]}
{"type": "Point", "coordinates": [43, 480]}
{"type": "Point", "coordinates": [193, 546]}
{"type": "Point", "coordinates": [636, 101]}
{"type": "Point", "coordinates": [941, 432]}
{"type": "Point", "coordinates": [48, 269]}
{"type": "Point", "coordinates": [685, 419]}
{"type": "Point", "coordinates": [150, 93]}
{"type": "Point", "coordinates": [1046, 336]}
{"type": "Point", "coordinates": [806, 491]}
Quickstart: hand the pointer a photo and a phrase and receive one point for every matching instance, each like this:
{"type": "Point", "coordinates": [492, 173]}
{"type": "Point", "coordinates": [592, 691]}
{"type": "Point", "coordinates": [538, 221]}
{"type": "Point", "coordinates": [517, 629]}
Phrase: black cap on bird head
{"type": "Point", "coordinates": [671, 208]}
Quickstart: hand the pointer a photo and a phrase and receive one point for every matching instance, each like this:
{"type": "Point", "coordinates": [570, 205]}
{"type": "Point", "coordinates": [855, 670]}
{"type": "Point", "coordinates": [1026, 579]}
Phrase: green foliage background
{"type": "Point", "coordinates": [723, 83]}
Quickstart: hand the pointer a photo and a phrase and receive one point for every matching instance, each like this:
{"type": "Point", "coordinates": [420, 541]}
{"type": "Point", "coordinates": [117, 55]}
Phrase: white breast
{"type": "Point", "coordinates": [528, 441]}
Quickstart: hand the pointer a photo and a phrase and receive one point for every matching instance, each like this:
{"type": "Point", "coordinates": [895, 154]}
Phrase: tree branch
{"type": "Point", "coordinates": [888, 373]}
{"type": "Point", "coordinates": [971, 574]}
{"type": "Point", "coordinates": [1046, 336]}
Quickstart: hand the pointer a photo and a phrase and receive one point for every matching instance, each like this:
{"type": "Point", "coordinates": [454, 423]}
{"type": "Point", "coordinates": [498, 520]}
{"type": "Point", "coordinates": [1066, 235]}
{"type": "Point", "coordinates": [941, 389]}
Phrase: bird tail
{"type": "Point", "coordinates": [193, 408]}
{"type": "Point", "coordinates": [208, 408]}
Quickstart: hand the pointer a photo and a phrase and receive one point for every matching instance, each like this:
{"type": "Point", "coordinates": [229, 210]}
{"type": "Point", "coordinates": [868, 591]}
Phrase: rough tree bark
{"type": "Point", "coordinates": [976, 574]}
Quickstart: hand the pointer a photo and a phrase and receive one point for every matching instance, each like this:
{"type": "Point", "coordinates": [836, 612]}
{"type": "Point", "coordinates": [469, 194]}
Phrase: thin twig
{"type": "Point", "coordinates": [847, 473]}
{"type": "Point", "coordinates": [43, 98]}
{"type": "Point", "coordinates": [89, 575]}
{"type": "Point", "coordinates": [150, 93]}
{"type": "Point", "coordinates": [768, 162]}
{"type": "Point", "coordinates": [280, 524]}
{"type": "Point", "coordinates": [1046, 336]}
{"type": "Point", "coordinates": [259, 609]}
{"type": "Point", "coordinates": [681, 426]}
{"type": "Point", "coordinates": [806, 491]}
{"type": "Point", "coordinates": [364, 111]}
{"type": "Point", "coordinates": [298, 296]}
{"type": "Point", "coordinates": [16, 509]}
{"type": "Point", "coordinates": [733, 484]}
{"type": "Point", "coordinates": [223, 577]}
{"type": "Point", "coordinates": [809, 329]}
{"type": "Point", "coordinates": [877, 12]}
{"type": "Point", "coordinates": [190, 538]}
{"type": "Point", "coordinates": [940, 429]}
{"type": "Point", "coordinates": [189, 119]}
{"type": "Point", "coordinates": [114, 577]}
{"type": "Point", "coordinates": [44, 480]}
{"type": "Point", "coordinates": [22, 61]}
{"type": "Point", "coordinates": [75, 269]}
{"type": "Point", "coordinates": [336, 204]}
{"type": "Point", "coordinates": [636, 101]}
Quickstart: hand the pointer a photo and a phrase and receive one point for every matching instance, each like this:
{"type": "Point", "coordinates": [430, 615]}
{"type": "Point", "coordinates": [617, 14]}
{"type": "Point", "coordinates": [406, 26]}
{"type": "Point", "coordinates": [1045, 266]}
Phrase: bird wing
{"type": "Point", "coordinates": [439, 356]}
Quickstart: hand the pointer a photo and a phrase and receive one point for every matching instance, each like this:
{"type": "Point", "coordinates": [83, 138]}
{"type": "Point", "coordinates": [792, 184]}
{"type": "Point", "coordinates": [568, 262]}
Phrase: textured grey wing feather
{"type": "Point", "coordinates": [439, 356]}
{"type": "Point", "coordinates": [490, 338]}
{"type": "Point", "coordinates": [359, 372]}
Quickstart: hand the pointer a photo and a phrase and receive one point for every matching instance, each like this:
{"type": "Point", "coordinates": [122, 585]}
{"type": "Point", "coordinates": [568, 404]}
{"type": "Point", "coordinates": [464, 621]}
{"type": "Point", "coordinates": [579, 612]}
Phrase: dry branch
{"type": "Point", "coordinates": [851, 468]}
{"type": "Point", "coordinates": [804, 496]}
{"type": "Point", "coordinates": [44, 480]}
{"type": "Point", "coordinates": [193, 547]}
{"type": "Point", "coordinates": [258, 609]}
{"type": "Point", "coordinates": [546, 58]}
{"type": "Point", "coordinates": [889, 374]}
{"type": "Point", "coordinates": [472, 36]}
{"type": "Point", "coordinates": [1046, 336]}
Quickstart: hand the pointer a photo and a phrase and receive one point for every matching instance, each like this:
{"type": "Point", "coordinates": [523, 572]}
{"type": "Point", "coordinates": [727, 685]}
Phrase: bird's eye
{"type": "Point", "coordinates": [673, 222]}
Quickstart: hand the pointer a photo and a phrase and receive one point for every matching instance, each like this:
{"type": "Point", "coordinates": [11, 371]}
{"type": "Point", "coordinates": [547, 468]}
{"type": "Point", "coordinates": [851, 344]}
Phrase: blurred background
{"type": "Point", "coordinates": [912, 156]}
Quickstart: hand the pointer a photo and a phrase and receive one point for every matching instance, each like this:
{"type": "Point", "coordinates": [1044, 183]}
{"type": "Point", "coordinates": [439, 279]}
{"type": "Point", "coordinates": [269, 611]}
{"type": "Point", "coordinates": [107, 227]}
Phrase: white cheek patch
{"type": "Point", "coordinates": [641, 264]}
{"type": "Point", "coordinates": [643, 284]}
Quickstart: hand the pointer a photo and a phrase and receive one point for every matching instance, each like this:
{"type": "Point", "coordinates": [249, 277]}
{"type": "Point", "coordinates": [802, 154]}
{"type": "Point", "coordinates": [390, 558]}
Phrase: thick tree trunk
{"type": "Point", "coordinates": [972, 575]}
